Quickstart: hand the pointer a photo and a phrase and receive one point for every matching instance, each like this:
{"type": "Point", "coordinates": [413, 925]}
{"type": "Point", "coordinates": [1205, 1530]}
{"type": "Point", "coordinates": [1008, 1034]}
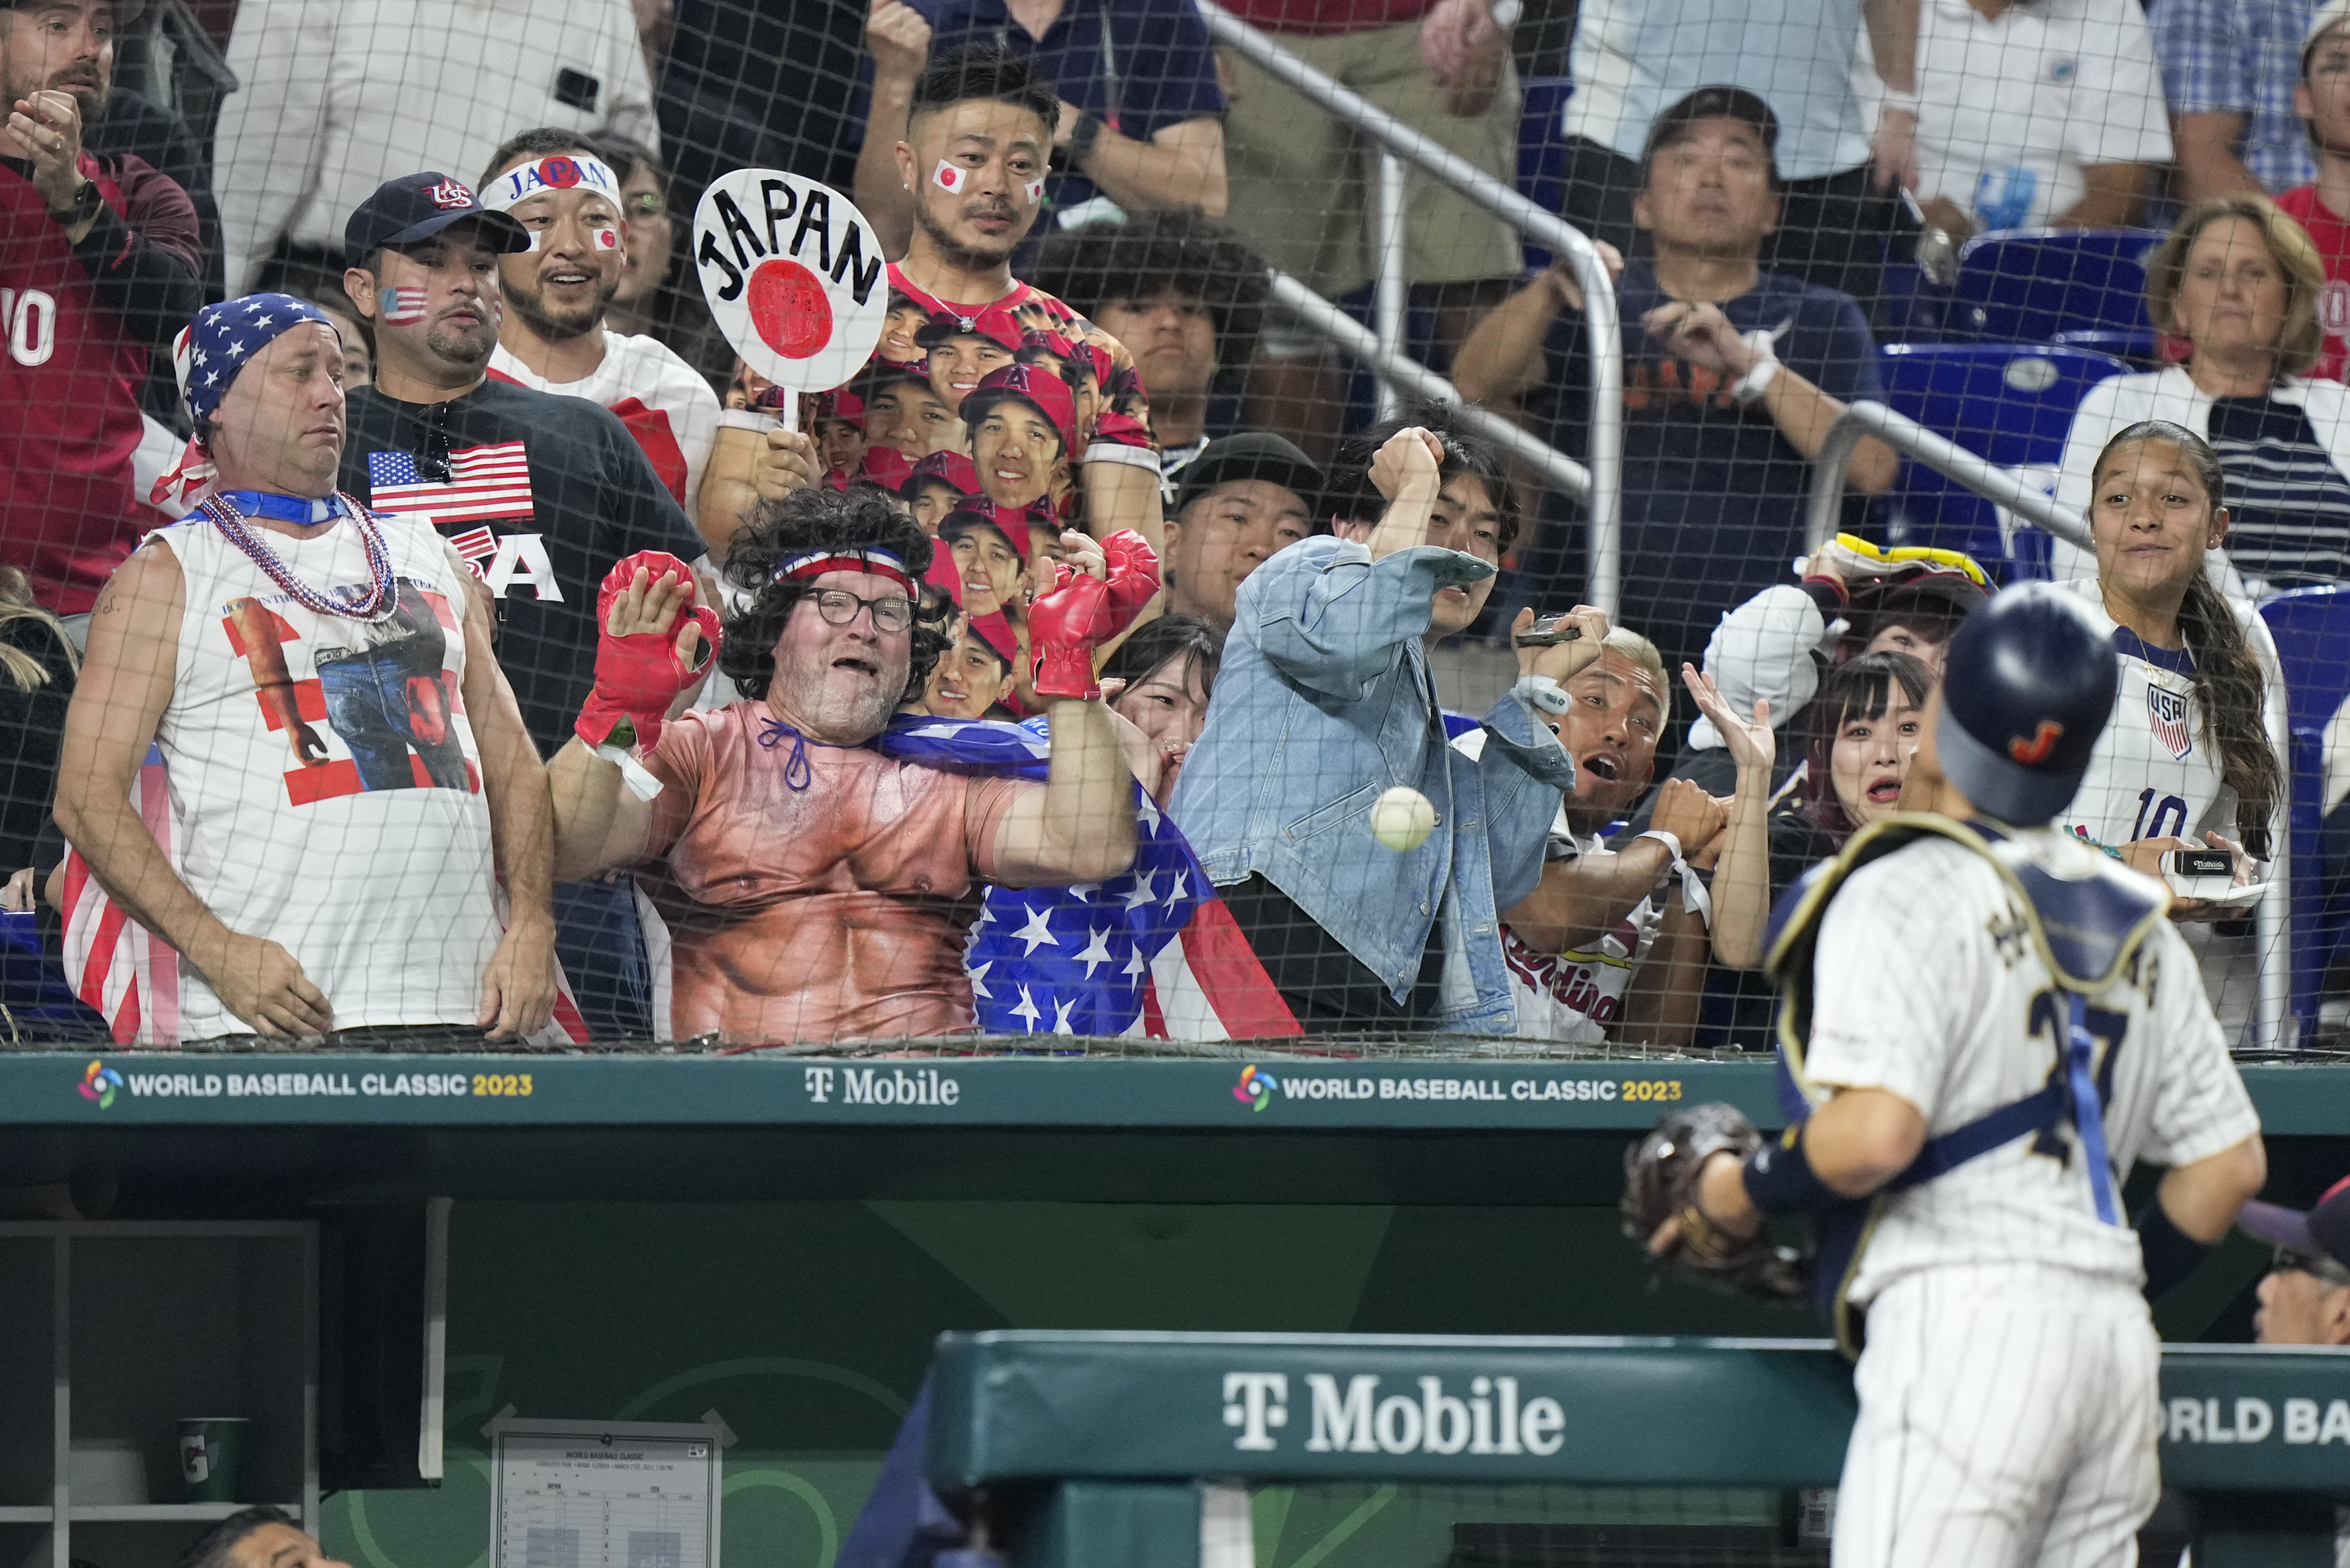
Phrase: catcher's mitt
{"type": "Point", "coordinates": [1660, 1176]}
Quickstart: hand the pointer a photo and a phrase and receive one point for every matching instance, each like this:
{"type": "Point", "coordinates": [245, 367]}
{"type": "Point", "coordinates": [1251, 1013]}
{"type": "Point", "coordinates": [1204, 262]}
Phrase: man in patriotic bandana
{"type": "Point", "coordinates": [349, 773]}
{"type": "Point", "coordinates": [538, 493]}
{"type": "Point", "coordinates": [554, 338]}
{"type": "Point", "coordinates": [978, 138]}
{"type": "Point", "coordinates": [816, 885]}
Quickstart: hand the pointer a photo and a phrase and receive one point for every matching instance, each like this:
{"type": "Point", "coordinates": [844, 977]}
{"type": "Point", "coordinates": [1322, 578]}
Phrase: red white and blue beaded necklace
{"type": "Point", "coordinates": [382, 596]}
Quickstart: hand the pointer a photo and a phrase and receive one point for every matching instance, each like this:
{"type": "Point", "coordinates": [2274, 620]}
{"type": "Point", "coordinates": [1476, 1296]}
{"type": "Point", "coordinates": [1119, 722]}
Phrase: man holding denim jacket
{"type": "Point", "coordinates": [1325, 703]}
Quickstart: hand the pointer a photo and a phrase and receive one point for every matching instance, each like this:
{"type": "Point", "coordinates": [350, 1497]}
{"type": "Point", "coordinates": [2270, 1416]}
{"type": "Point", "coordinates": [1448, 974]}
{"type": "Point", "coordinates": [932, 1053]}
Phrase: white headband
{"type": "Point", "coordinates": [556, 172]}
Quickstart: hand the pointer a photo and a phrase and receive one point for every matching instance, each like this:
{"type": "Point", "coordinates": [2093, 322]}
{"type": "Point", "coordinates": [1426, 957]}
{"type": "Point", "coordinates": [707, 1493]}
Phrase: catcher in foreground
{"type": "Point", "coordinates": [1983, 1024]}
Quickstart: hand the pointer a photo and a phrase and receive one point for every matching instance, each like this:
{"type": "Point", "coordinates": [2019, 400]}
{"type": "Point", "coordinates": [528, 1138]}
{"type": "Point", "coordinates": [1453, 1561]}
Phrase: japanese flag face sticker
{"type": "Point", "coordinates": [1034, 191]}
{"type": "Point", "coordinates": [949, 176]}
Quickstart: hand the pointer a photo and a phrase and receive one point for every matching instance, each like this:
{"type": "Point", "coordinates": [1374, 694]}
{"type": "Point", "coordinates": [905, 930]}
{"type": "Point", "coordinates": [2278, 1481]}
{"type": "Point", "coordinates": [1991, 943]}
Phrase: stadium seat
{"type": "Point", "coordinates": [33, 996]}
{"type": "Point", "coordinates": [2312, 628]}
{"type": "Point", "coordinates": [2010, 403]}
{"type": "Point", "coordinates": [2026, 285]}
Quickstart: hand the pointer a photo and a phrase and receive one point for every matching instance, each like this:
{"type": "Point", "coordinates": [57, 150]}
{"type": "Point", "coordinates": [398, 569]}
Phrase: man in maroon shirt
{"type": "Point", "coordinates": [99, 265]}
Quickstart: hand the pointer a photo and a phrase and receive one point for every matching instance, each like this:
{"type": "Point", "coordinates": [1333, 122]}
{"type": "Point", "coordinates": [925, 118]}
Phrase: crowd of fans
{"type": "Point", "coordinates": [413, 616]}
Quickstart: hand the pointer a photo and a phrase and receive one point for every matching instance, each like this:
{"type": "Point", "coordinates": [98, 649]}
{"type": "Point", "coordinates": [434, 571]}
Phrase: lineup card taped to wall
{"type": "Point", "coordinates": [614, 1494]}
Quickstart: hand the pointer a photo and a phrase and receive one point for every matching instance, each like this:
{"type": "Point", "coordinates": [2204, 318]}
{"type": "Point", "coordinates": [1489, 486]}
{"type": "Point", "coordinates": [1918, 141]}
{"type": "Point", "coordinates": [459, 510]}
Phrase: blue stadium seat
{"type": "Point", "coordinates": [2010, 403]}
{"type": "Point", "coordinates": [33, 996]}
{"type": "Point", "coordinates": [2026, 285]}
{"type": "Point", "coordinates": [2312, 628]}
{"type": "Point", "coordinates": [1542, 153]}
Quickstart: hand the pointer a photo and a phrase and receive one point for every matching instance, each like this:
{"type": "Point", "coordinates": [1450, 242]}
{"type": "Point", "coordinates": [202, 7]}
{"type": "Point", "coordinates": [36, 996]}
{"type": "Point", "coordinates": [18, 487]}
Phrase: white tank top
{"type": "Point", "coordinates": [357, 836]}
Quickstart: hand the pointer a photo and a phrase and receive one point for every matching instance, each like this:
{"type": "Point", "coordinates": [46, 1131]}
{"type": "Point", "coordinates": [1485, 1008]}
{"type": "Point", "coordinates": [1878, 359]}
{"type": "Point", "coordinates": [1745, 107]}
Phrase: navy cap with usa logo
{"type": "Point", "coordinates": [415, 207]}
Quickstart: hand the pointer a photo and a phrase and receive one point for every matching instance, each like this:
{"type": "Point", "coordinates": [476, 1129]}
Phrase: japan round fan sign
{"type": "Point", "coordinates": [794, 274]}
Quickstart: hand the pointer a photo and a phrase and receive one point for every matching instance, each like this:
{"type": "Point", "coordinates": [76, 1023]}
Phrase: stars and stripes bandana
{"type": "Point", "coordinates": [1151, 953]}
{"type": "Point", "coordinates": [206, 357]}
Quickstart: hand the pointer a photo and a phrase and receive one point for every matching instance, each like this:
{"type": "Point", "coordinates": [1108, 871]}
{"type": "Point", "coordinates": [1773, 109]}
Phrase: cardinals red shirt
{"type": "Point", "coordinates": [2332, 237]}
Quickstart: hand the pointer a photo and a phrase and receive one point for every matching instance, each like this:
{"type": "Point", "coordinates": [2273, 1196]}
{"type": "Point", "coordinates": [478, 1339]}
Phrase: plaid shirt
{"type": "Point", "coordinates": [2240, 57]}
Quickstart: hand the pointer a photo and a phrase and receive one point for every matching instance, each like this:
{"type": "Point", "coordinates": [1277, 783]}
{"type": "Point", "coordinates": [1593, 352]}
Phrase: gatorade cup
{"type": "Point", "coordinates": [212, 1457]}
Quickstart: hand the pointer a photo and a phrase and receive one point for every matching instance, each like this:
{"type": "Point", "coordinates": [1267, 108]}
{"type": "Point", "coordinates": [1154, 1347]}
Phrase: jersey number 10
{"type": "Point", "coordinates": [2169, 819]}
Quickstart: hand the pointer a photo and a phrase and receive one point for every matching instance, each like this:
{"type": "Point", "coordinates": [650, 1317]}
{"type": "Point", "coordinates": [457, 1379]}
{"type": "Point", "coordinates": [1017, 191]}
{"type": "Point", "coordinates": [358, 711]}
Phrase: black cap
{"type": "Point", "coordinates": [1251, 454]}
{"type": "Point", "coordinates": [2323, 1228]}
{"type": "Point", "coordinates": [1719, 101]}
{"type": "Point", "coordinates": [418, 207]}
{"type": "Point", "coordinates": [2027, 687]}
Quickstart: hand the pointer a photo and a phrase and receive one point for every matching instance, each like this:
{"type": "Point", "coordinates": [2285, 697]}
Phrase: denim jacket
{"type": "Point", "coordinates": [1323, 703]}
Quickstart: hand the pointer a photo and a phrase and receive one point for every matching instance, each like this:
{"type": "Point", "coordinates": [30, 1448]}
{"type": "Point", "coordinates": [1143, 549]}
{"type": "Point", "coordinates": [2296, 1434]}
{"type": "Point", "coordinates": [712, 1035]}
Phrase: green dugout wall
{"type": "Point", "coordinates": [783, 1241]}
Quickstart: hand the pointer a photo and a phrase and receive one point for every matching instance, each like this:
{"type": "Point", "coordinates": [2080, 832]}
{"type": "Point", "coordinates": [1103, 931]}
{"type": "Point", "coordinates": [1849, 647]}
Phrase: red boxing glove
{"type": "Point", "coordinates": [639, 675]}
{"type": "Point", "coordinates": [1081, 611]}
{"type": "Point", "coordinates": [1061, 632]}
{"type": "Point", "coordinates": [1133, 580]}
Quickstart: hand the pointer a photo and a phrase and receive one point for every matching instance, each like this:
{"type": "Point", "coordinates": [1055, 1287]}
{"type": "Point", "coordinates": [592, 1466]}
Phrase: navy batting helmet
{"type": "Point", "coordinates": [2026, 690]}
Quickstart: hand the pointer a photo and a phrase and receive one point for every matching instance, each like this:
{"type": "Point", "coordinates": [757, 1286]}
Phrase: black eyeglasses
{"type": "Point", "coordinates": [892, 612]}
{"type": "Point", "coordinates": [2294, 1261]}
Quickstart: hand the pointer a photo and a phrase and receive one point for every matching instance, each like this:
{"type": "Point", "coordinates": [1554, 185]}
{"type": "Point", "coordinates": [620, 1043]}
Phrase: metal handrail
{"type": "Point", "coordinates": [1409, 375]}
{"type": "Point", "coordinates": [1602, 497]}
{"type": "Point", "coordinates": [2004, 487]}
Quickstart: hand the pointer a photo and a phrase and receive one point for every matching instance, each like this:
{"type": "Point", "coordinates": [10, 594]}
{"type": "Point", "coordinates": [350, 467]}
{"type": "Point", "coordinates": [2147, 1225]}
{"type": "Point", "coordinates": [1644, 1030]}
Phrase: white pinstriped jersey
{"type": "Point", "coordinates": [1926, 985]}
{"type": "Point", "coordinates": [2153, 774]}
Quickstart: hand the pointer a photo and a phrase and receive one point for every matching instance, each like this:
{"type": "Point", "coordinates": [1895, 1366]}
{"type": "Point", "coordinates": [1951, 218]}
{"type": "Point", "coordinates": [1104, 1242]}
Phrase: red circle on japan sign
{"type": "Point", "coordinates": [789, 309]}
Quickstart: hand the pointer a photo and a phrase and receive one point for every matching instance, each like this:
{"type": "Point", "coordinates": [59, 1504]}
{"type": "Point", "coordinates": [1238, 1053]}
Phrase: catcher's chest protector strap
{"type": "Point", "coordinates": [2085, 930]}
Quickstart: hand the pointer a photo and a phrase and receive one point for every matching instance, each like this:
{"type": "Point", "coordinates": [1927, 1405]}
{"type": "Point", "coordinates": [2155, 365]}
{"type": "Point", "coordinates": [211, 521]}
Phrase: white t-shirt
{"type": "Point", "coordinates": [2153, 774]}
{"type": "Point", "coordinates": [671, 411]}
{"type": "Point", "coordinates": [2012, 110]}
{"type": "Point", "coordinates": [1633, 59]}
{"type": "Point", "coordinates": [361, 842]}
{"type": "Point", "coordinates": [1575, 997]}
{"type": "Point", "coordinates": [1926, 987]}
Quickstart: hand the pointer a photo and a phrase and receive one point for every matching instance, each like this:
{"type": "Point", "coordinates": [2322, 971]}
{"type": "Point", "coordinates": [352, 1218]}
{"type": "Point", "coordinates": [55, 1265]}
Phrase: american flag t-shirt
{"type": "Point", "coordinates": [484, 482]}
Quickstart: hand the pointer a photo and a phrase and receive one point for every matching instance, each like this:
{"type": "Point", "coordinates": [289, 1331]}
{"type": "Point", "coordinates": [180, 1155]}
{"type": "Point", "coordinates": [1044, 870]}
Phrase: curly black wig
{"type": "Point", "coordinates": [819, 518]}
{"type": "Point", "coordinates": [1171, 251]}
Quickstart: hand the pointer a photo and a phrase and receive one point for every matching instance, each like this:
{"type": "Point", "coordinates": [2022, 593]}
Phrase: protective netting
{"type": "Point", "coordinates": [297, 769]}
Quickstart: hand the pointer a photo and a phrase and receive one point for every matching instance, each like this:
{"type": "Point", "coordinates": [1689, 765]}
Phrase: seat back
{"type": "Point", "coordinates": [2012, 403]}
{"type": "Point", "coordinates": [2312, 628]}
{"type": "Point", "coordinates": [2026, 285]}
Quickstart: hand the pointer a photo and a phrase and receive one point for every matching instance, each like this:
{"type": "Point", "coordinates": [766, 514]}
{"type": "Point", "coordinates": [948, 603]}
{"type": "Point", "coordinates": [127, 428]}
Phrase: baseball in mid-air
{"type": "Point", "coordinates": [1402, 819]}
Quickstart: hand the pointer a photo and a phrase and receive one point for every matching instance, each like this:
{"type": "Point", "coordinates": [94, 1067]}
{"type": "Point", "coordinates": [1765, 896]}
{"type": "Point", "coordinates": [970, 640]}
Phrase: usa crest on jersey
{"type": "Point", "coordinates": [2166, 715]}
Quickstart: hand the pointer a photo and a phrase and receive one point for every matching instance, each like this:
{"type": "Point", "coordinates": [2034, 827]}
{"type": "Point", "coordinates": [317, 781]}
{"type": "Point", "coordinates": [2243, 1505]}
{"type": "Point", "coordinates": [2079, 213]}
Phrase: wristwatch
{"type": "Point", "coordinates": [86, 202]}
{"type": "Point", "coordinates": [1082, 139]}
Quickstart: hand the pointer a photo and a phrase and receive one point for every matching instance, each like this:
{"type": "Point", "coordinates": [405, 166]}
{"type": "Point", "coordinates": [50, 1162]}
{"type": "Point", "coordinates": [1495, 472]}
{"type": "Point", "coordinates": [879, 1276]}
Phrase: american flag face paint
{"type": "Point", "coordinates": [400, 307]}
{"type": "Point", "coordinates": [953, 177]}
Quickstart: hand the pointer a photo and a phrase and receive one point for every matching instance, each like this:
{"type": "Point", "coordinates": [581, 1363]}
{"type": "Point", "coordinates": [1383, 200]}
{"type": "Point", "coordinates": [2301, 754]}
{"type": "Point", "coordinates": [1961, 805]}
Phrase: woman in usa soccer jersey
{"type": "Point", "coordinates": [2185, 759]}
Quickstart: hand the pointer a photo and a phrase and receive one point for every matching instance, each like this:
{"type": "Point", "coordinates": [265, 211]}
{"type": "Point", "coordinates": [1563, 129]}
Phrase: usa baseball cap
{"type": "Point", "coordinates": [2027, 688]}
{"type": "Point", "coordinates": [2322, 1228]}
{"type": "Point", "coordinates": [1252, 455]}
{"type": "Point", "coordinates": [415, 207]}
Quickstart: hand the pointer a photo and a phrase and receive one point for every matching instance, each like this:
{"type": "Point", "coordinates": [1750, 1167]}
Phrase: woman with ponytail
{"type": "Point", "coordinates": [2186, 757]}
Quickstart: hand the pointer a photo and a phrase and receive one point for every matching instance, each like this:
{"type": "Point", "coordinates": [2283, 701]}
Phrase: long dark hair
{"type": "Point", "coordinates": [1859, 688]}
{"type": "Point", "coordinates": [2228, 684]}
{"type": "Point", "coordinates": [1170, 639]}
{"type": "Point", "coordinates": [801, 523]}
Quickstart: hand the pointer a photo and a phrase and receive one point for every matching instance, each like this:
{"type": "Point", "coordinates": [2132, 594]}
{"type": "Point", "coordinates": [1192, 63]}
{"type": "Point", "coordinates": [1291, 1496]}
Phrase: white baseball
{"type": "Point", "coordinates": [1402, 819]}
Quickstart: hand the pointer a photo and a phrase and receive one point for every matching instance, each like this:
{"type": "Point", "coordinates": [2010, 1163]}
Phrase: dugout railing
{"type": "Point", "coordinates": [2029, 504]}
{"type": "Point", "coordinates": [1598, 485]}
{"type": "Point", "coordinates": [1111, 1449]}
